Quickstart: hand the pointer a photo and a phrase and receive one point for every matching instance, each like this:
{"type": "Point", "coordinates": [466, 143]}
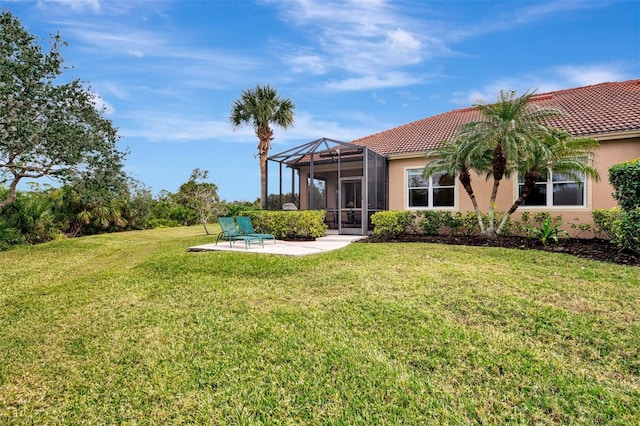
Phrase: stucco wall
{"type": "Point", "coordinates": [609, 152]}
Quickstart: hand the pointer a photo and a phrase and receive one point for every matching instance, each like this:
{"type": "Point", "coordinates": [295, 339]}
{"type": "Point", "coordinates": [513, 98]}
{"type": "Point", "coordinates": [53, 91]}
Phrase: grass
{"type": "Point", "coordinates": [133, 329]}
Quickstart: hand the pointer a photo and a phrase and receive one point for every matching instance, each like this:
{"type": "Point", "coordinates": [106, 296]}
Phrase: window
{"type": "Point", "coordinates": [436, 191]}
{"type": "Point", "coordinates": [555, 190]}
{"type": "Point", "coordinates": [318, 193]}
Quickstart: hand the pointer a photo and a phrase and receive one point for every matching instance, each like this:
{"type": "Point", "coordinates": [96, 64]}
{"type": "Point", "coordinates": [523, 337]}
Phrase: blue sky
{"type": "Point", "coordinates": [169, 70]}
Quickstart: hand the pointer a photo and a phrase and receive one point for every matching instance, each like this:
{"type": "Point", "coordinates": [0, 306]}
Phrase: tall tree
{"type": "Point", "coordinates": [46, 128]}
{"type": "Point", "coordinates": [509, 129]}
{"type": "Point", "coordinates": [262, 107]}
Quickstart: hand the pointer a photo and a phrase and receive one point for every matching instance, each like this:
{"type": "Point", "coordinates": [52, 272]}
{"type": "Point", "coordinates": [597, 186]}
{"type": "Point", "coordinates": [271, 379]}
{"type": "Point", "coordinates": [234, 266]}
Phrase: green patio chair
{"type": "Point", "coordinates": [230, 233]}
{"type": "Point", "coordinates": [246, 228]}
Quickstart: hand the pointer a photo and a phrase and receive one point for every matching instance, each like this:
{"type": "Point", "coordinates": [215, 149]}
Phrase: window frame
{"type": "Point", "coordinates": [430, 188]}
{"type": "Point", "coordinates": [549, 185]}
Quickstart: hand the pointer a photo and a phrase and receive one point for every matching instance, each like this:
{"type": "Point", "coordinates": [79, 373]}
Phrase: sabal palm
{"type": "Point", "coordinates": [261, 107]}
{"type": "Point", "coordinates": [509, 130]}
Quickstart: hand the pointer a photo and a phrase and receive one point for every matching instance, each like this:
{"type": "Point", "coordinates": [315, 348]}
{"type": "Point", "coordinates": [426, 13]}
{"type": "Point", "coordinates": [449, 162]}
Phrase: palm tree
{"type": "Point", "coordinates": [454, 158]}
{"type": "Point", "coordinates": [510, 129]}
{"type": "Point", "coordinates": [561, 154]}
{"type": "Point", "coordinates": [511, 137]}
{"type": "Point", "coordinates": [260, 107]}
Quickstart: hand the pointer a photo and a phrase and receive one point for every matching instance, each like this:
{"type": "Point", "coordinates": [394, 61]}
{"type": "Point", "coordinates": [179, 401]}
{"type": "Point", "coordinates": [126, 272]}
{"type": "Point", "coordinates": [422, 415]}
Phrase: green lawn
{"type": "Point", "coordinates": [132, 329]}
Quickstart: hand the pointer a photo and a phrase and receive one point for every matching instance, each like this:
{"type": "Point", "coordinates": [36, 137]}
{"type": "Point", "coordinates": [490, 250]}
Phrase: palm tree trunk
{"type": "Point", "coordinates": [499, 166]}
{"type": "Point", "coordinates": [530, 179]}
{"type": "Point", "coordinates": [265, 134]}
{"type": "Point", "coordinates": [263, 180]}
{"type": "Point", "coordinates": [465, 180]}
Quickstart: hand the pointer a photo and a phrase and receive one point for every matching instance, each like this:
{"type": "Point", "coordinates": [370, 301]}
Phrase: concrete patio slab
{"type": "Point", "coordinates": [285, 248]}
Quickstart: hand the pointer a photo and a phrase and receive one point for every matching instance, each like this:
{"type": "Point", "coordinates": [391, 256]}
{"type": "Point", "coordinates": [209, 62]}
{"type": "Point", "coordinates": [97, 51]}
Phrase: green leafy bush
{"type": "Point", "coordinates": [626, 230]}
{"type": "Point", "coordinates": [290, 225]}
{"type": "Point", "coordinates": [581, 230]}
{"type": "Point", "coordinates": [431, 221]}
{"type": "Point", "coordinates": [390, 223]}
{"type": "Point", "coordinates": [467, 223]}
{"type": "Point", "coordinates": [625, 179]}
{"type": "Point", "coordinates": [603, 220]}
{"type": "Point", "coordinates": [240, 208]}
{"type": "Point", "coordinates": [9, 236]}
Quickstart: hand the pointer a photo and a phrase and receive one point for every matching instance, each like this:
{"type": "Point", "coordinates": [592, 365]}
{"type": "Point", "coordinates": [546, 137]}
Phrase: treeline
{"type": "Point", "coordinates": [45, 213]}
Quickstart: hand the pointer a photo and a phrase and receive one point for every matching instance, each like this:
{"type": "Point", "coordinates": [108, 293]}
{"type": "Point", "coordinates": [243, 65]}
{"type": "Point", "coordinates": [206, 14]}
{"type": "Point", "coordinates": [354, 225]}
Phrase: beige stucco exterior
{"type": "Point", "coordinates": [613, 149]}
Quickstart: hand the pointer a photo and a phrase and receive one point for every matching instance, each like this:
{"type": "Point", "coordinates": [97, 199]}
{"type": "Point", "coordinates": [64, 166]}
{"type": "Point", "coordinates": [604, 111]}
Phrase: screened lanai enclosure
{"type": "Point", "coordinates": [348, 181]}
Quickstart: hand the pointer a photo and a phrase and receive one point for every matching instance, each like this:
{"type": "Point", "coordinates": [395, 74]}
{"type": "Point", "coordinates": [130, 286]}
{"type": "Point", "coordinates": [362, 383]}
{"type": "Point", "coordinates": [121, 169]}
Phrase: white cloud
{"type": "Point", "coordinates": [591, 74]}
{"type": "Point", "coordinates": [372, 81]}
{"type": "Point", "coordinates": [77, 5]}
{"type": "Point", "coordinates": [307, 63]}
{"type": "Point", "coordinates": [175, 127]}
{"type": "Point", "coordinates": [558, 78]}
{"type": "Point", "coordinates": [370, 40]}
{"type": "Point", "coordinates": [167, 127]}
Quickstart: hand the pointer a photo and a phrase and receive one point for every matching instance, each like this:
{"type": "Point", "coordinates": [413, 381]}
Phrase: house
{"type": "Point", "coordinates": [384, 170]}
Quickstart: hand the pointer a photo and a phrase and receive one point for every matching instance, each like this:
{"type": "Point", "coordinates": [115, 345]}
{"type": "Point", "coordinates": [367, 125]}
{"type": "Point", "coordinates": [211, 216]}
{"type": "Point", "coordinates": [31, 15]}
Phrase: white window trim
{"type": "Point", "coordinates": [586, 195]}
{"type": "Point", "coordinates": [430, 188]}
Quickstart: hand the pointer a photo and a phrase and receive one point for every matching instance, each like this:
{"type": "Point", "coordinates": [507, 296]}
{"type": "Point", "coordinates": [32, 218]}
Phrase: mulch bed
{"type": "Point", "coordinates": [594, 249]}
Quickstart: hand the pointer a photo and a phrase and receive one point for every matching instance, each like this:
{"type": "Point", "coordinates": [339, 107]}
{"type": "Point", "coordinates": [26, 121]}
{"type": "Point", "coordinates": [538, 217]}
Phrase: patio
{"type": "Point", "coordinates": [331, 241]}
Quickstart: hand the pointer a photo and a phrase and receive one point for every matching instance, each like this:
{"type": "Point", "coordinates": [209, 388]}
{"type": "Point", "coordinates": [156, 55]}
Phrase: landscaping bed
{"type": "Point", "coordinates": [594, 249]}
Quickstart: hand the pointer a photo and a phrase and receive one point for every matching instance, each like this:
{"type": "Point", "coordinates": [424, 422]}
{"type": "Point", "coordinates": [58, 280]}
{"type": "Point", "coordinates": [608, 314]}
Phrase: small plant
{"type": "Point", "coordinates": [603, 220]}
{"type": "Point", "coordinates": [548, 230]}
{"type": "Point", "coordinates": [582, 228]}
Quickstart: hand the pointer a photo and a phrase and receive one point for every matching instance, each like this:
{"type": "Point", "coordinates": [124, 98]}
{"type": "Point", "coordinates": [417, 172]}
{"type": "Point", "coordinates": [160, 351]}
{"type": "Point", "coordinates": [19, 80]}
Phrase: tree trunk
{"type": "Point", "coordinates": [263, 180]}
{"type": "Point", "coordinates": [265, 134]}
{"type": "Point", "coordinates": [530, 179]}
{"type": "Point", "coordinates": [498, 168]}
{"type": "Point", "coordinates": [11, 196]}
{"type": "Point", "coordinates": [465, 180]}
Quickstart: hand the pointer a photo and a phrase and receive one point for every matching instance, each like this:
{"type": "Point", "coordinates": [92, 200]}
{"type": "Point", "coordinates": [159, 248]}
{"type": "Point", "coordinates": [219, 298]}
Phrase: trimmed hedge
{"type": "Point", "coordinates": [391, 223]}
{"type": "Point", "coordinates": [625, 179]}
{"type": "Point", "coordinates": [290, 225]}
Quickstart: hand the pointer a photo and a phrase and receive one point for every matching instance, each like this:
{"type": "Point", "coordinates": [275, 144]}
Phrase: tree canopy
{"type": "Point", "coordinates": [201, 197]}
{"type": "Point", "coordinates": [48, 128]}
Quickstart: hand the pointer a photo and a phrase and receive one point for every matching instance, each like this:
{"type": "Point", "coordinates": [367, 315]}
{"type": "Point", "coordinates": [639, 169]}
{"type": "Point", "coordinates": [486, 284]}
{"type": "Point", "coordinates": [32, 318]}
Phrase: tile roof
{"type": "Point", "coordinates": [590, 110]}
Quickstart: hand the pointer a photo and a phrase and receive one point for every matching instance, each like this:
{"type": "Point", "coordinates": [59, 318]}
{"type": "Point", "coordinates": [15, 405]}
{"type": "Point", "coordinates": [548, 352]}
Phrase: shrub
{"type": "Point", "coordinates": [582, 228]}
{"type": "Point", "coordinates": [238, 208]}
{"type": "Point", "coordinates": [390, 223]}
{"type": "Point", "coordinates": [603, 220]}
{"type": "Point", "coordinates": [9, 236]}
{"type": "Point", "coordinates": [431, 221]}
{"type": "Point", "coordinates": [625, 179]}
{"type": "Point", "coordinates": [467, 224]}
{"type": "Point", "coordinates": [626, 230]}
{"type": "Point", "coordinates": [290, 225]}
